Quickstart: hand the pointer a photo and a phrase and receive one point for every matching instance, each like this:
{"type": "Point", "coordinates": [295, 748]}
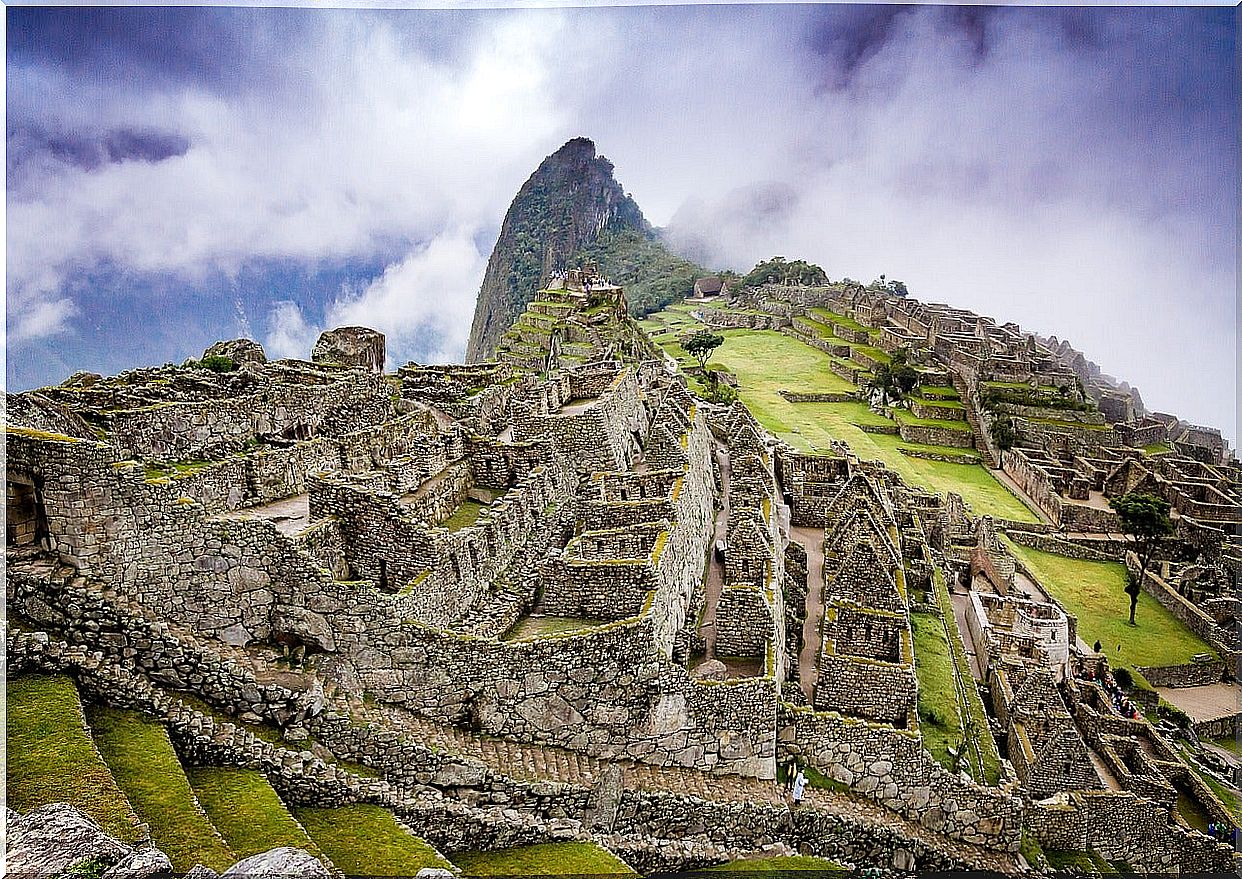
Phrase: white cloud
{"type": "Point", "coordinates": [423, 304]}
{"type": "Point", "coordinates": [288, 332]}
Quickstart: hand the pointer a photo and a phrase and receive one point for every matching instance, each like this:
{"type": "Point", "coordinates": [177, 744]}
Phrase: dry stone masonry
{"type": "Point", "coordinates": [557, 596]}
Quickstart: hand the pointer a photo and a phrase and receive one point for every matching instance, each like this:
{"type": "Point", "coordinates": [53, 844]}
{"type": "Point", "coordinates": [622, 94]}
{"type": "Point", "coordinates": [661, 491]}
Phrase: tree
{"type": "Point", "coordinates": [1003, 433]}
{"type": "Point", "coordinates": [701, 345]}
{"type": "Point", "coordinates": [778, 270]}
{"type": "Point", "coordinates": [1145, 517]}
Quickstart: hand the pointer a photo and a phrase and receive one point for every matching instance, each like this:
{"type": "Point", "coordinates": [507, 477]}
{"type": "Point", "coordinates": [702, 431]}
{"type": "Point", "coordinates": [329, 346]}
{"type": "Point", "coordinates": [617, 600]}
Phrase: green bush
{"type": "Point", "coordinates": [213, 362]}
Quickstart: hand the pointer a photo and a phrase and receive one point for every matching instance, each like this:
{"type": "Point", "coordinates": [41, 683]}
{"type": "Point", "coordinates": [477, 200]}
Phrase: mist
{"type": "Point", "coordinates": [1070, 170]}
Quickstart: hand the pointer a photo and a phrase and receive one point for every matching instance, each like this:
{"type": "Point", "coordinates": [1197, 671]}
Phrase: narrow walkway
{"type": "Point", "coordinates": [812, 540]}
{"type": "Point", "coordinates": [1101, 769]}
{"type": "Point", "coordinates": [715, 567]}
{"type": "Point", "coordinates": [961, 602]}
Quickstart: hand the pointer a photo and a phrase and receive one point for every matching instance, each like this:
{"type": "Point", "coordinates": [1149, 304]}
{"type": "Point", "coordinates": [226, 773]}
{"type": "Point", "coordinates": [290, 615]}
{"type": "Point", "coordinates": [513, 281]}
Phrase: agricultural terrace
{"type": "Point", "coordinates": [766, 362]}
{"type": "Point", "coordinates": [1095, 593]}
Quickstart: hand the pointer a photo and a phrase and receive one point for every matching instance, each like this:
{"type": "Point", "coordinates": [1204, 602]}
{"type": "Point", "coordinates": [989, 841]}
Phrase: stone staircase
{"type": "Point", "coordinates": [983, 439]}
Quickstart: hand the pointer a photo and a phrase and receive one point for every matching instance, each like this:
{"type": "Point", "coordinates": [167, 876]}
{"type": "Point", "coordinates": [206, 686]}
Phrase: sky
{"type": "Point", "coordinates": [181, 175]}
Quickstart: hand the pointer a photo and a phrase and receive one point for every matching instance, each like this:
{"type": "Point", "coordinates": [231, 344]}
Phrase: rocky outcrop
{"type": "Point", "coordinates": [565, 205]}
{"type": "Point", "coordinates": [279, 863]}
{"type": "Point", "coordinates": [351, 346]}
{"type": "Point", "coordinates": [54, 839]}
{"type": "Point", "coordinates": [238, 350]}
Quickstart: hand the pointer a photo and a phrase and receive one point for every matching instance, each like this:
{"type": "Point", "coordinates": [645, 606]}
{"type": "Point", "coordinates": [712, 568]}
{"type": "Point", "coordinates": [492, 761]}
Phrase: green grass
{"type": "Point", "coordinates": [51, 758]}
{"type": "Point", "coordinates": [533, 626]}
{"type": "Point", "coordinates": [464, 516]}
{"type": "Point", "coordinates": [941, 404]}
{"type": "Point", "coordinates": [366, 840]}
{"type": "Point", "coordinates": [940, 390]}
{"type": "Point", "coordinates": [984, 754]}
{"type": "Point", "coordinates": [142, 759]}
{"type": "Point", "coordinates": [1229, 743]}
{"type": "Point", "coordinates": [247, 811]}
{"type": "Point", "coordinates": [906, 417]}
{"type": "Point", "coordinates": [1157, 448]}
{"type": "Point", "coordinates": [1086, 862]}
{"type": "Point", "coordinates": [766, 362]}
{"type": "Point", "coordinates": [843, 321]}
{"type": "Point", "coordinates": [548, 859]}
{"type": "Point", "coordinates": [777, 865]}
{"type": "Point", "coordinates": [1095, 593]}
{"type": "Point", "coordinates": [939, 718]}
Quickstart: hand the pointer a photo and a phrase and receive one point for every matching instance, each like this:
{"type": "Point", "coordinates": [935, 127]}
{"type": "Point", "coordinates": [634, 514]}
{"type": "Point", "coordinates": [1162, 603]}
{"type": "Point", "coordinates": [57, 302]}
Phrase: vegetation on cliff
{"type": "Point", "coordinates": [570, 200]}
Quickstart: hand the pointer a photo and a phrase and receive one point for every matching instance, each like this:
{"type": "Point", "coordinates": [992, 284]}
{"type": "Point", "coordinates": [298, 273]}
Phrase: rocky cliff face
{"type": "Point", "coordinates": [566, 205]}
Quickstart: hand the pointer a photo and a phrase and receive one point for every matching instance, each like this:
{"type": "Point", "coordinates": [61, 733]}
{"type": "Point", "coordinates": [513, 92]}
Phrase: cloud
{"type": "Point", "coordinates": [1073, 170]}
{"type": "Point", "coordinates": [288, 332]}
{"type": "Point", "coordinates": [423, 304]}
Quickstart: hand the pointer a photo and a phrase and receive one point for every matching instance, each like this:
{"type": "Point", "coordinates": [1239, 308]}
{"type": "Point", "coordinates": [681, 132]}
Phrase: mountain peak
{"type": "Point", "coordinates": [566, 204]}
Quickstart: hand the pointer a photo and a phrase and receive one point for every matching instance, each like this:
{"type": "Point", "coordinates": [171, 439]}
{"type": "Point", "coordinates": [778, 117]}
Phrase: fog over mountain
{"type": "Point", "coordinates": [181, 175]}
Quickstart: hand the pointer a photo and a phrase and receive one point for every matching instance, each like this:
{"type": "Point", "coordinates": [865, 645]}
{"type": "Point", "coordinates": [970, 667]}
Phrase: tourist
{"type": "Point", "coordinates": [1098, 645]}
{"type": "Point", "coordinates": [799, 787]}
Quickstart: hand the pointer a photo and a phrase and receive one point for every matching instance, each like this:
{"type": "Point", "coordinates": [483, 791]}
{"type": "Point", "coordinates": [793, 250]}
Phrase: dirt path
{"type": "Point", "coordinates": [812, 539]}
{"type": "Point", "coordinates": [715, 568]}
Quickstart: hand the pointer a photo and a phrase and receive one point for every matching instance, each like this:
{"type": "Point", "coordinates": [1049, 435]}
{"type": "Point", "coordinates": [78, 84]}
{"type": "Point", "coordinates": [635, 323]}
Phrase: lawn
{"type": "Point", "coordinates": [766, 362]}
{"type": "Point", "coordinates": [939, 716]}
{"type": "Point", "coordinates": [1095, 593]}
{"type": "Point", "coordinates": [548, 859]}
{"type": "Point", "coordinates": [143, 761]}
{"type": "Point", "coordinates": [778, 865]}
{"type": "Point", "coordinates": [843, 321]}
{"type": "Point", "coordinates": [246, 810]}
{"type": "Point", "coordinates": [364, 840]}
{"type": "Point", "coordinates": [51, 758]}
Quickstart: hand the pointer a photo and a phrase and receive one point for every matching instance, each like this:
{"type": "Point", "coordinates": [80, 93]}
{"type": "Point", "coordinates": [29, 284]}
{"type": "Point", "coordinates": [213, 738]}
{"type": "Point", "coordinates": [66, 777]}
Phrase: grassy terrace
{"type": "Point", "coordinates": [780, 865]}
{"type": "Point", "coordinates": [51, 758]}
{"type": "Point", "coordinates": [247, 811]}
{"type": "Point", "coordinates": [766, 362]}
{"type": "Point", "coordinates": [984, 752]}
{"type": "Point", "coordinates": [843, 321]}
{"type": "Point", "coordinates": [939, 719]}
{"type": "Point", "coordinates": [366, 840]}
{"type": "Point", "coordinates": [549, 859]}
{"type": "Point", "coordinates": [142, 759]}
{"type": "Point", "coordinates": [1095, 593]}
{"type": "Point", "coordinates": [535, 625]}
{"type": "Point", "coordinates": [464, 516]}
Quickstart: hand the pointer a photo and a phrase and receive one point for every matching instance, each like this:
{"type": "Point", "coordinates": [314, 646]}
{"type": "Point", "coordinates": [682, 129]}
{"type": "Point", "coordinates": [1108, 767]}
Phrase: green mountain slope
{"type": "Point", "coordinates": [572, 208]}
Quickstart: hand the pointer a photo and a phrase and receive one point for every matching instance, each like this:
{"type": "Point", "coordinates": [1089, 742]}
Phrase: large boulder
{"type": "Point", "coordinates": [301, 624]}
{"type": "Point", "coordinates": [279, 863]}
{"type": "Point", "coordinates": [238, 350]}
{"type": "Point", "coordinates": [52, 839]}
{"type": "Point", "coordinates": [351, 346]}
{"type": "Point", "coordinates": [145, 863]}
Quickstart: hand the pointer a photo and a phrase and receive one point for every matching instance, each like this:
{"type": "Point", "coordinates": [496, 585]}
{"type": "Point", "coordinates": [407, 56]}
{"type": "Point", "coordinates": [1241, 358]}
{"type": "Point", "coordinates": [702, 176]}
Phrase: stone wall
{"type": "Point", "coordinates": [930, 435]}
{"type": "Point", "coordinates": [1121, 826]}
{"type": "Point", "coordinates": [891, 767]}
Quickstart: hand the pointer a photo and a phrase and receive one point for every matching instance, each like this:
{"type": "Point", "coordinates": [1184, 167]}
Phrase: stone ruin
{"type": "Point", "coordinates": [493, 584]}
